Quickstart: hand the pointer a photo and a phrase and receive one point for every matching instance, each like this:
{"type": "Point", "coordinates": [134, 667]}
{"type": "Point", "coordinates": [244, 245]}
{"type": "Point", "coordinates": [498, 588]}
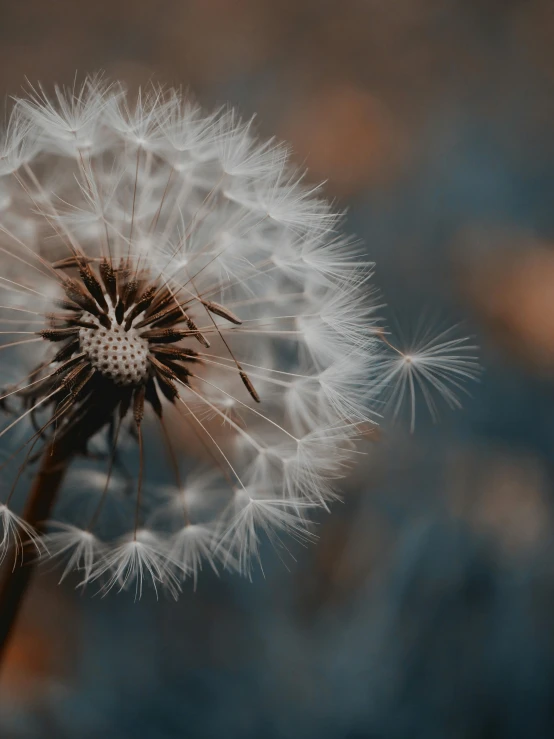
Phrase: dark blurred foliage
{"type": "Point", "coordinates": [426, 608]}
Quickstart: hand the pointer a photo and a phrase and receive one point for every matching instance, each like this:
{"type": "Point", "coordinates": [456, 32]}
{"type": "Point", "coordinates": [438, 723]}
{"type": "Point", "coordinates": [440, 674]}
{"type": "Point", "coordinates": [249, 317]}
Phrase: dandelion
{"type": "Point", "coordinates": [167, 276]}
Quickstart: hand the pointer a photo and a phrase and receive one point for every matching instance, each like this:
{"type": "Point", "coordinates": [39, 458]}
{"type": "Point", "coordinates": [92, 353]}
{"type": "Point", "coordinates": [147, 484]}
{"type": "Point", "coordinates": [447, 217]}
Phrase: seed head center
{"type": "Point", "coordinates": [119, 355]}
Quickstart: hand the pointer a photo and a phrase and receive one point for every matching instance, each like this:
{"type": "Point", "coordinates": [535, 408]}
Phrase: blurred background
{"type": "Point", "coordinates": [426, 609]}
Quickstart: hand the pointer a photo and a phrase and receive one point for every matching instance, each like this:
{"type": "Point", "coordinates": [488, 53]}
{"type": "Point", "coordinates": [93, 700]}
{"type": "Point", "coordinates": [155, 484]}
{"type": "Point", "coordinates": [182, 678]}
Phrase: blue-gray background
{"type": "Point", "coordinates": [427, 607]}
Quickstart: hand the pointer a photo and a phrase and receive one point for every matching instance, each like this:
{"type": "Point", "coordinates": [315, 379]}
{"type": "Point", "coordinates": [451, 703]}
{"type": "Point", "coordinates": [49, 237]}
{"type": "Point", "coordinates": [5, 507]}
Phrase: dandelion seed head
{"type": "Point", "coordinates": [165, 273]}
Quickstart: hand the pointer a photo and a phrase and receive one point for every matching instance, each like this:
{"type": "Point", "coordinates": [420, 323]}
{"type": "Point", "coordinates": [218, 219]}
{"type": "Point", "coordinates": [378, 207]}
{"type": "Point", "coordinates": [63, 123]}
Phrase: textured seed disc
{"type": "Point", "coordinates": [120, 355]}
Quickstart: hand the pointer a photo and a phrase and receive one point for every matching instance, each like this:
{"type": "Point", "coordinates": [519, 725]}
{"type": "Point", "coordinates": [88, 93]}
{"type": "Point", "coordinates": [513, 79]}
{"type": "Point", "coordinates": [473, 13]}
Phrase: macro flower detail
{"type": "Point", "coordinates": [167, 280]}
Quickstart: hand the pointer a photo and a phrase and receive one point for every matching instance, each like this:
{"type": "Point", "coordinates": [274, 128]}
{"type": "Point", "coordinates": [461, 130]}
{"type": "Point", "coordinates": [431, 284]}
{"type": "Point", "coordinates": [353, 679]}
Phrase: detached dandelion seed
{"type": "Point", "coordinates": [175, 273]}
{"type": "Point", "coordinates": [434, 365]}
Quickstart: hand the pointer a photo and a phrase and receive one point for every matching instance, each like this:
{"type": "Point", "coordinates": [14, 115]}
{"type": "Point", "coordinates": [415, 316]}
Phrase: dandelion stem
{"type": "Point", "coordinates": [39, 505]}
{"type": "Point", "coordinates": [41, 499]}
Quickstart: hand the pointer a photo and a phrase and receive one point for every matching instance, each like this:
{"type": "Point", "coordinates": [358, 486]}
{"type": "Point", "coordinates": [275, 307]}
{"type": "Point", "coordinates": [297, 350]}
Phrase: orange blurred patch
{"type": "Point", "coordinates": [43, 645]}
{"type": "Point", "coordinates": [345, 136]}
{"type": "Point", "coordinates": [504, 497]}
{"type": "Point", "coordinates": [512, 292]}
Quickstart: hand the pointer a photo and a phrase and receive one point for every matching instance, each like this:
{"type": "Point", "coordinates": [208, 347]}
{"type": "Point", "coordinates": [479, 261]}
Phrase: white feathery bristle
{"type": "Point", "coordinates": [190, 547]}
{"type": "Point", "coordinates": [16, 534]}
{"type": "Point", "coordinates": [239, 545]}
{"type": "Point", "coordinates": [79, 548]}
{"type": "Point", "coordinates": [138, 559]}
{"type": "Point", "coordinates": [19, 142]}
{"type": "Point", "coordinates": [71, 121]}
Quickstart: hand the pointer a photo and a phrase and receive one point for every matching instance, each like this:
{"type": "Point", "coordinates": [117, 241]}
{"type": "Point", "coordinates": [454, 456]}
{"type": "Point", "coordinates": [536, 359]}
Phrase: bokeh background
{"type": "Point", "coordinates": [427, 607]}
